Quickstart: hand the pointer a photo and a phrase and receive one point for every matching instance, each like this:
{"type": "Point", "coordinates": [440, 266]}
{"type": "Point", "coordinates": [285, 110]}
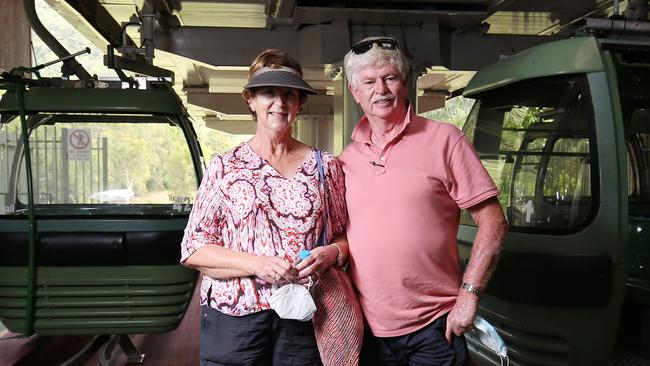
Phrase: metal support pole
{"type": "Point", "coordinates": [414, 75]}
{"type": "Point", "coordinates": [28, 328]}
{"type": "Point", "coordinates": [65, 169]}
{"type": "Point", "coordinates": [104, 164]}
{"type": "Point", "coordinates": [351, 113]}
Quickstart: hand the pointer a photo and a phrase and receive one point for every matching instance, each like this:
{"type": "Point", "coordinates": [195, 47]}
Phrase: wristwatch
{"type": "Point", "coordinates": [471, 288]}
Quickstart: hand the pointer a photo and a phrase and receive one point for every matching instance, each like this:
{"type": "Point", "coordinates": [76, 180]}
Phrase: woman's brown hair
{"type": "Point", "coordinates": [273, 58]}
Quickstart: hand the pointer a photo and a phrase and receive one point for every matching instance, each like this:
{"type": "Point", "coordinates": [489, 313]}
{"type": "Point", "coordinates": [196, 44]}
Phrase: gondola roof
{"type": "Point", "coordinates": [83, 100]}
{"type": "Point", "coordinates": [570, 56]}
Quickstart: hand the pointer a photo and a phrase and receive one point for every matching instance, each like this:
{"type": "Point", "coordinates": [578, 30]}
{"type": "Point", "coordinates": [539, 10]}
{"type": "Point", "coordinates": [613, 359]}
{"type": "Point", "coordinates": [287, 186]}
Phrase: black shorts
{"type": "Point", "coordinates": [423, 347]}
{"type": "Point", "coordinates": [259, 339]}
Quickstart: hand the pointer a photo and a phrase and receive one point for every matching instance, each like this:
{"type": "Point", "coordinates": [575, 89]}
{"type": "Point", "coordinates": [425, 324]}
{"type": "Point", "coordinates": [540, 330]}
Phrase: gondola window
{"type": "Point", "coordinates": [117, 165]}
{"type": "Point", "coordinates": [535, 139]}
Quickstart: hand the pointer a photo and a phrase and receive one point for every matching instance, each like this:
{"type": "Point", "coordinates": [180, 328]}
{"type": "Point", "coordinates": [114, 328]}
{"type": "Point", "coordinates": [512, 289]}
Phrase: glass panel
{"type": "Point", "coordinates": [524, 182]}
{"type": "Point", "coordinates": [108, 165]}
{"type": "Point", "coordinates": [633, 74]}
{"type": "Point", "coordinates": [567, 183]}
{"type": "Point", "coordinates": [638, 145]}
{"type": "Point", "coordinates": [533, 138]}
{"type": "Point", "coordinates": [9, 143]}
{"type": "Point", "coordinates": [455, 111]}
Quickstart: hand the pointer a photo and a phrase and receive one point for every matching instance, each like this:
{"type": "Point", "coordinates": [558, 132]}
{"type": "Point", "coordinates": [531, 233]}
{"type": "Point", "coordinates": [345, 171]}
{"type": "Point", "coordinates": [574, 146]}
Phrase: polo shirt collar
{"type": "Point", "coordinates": [362, 131]}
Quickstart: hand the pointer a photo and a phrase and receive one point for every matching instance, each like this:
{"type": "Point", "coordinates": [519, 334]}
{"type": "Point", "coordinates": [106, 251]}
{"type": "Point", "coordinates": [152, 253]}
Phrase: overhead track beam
{"type": "Point", "coordinates": [94, 13]}
{"type": "Point", "coordinates": [317, 45]}
{"type": "Point", "coordinates": [497, 5]}
{"type": "Point", "coordinates": [284, 8]}
{"type": "Point", "coordinates": [313, 46]}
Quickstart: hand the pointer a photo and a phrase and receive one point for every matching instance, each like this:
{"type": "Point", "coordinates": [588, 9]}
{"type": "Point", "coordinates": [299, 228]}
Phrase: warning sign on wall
{"type": "Point", "coordinates": [79, 144]}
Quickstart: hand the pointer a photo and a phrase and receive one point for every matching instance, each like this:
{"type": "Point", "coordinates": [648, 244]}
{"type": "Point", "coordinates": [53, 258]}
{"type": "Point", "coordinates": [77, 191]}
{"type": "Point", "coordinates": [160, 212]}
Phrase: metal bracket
{"type": "Point", "coordinates": [19, 72]}
{"type": "Point", "coordinates": [123, 63]}
{"type": "Point", "coordinates": [138, 59]}
{"type": "Point", "coordinates": [133, 356]}
{"type": "Point", "coordinates": [87, 352]}
{"type": "Point", "coordinates": [615, 27]}
{"type": "Point", "coordinates": [104, 346]}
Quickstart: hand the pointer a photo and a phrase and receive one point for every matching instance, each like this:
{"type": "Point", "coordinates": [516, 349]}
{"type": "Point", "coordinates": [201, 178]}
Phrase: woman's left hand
{"type": "Point", "coordinates": [318, 261]}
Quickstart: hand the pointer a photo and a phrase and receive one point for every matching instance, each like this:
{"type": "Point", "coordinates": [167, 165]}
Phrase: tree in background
{"type": "Point", "coordinates": [69, 38]}
{"type": "Point", "coordinates": [149, 173]}
{"type": "Point", "coordinates": [455, 111]}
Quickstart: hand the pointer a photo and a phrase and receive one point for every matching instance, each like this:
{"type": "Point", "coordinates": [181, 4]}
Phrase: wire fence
{"type": "Point", "coordinates": [58, 177]}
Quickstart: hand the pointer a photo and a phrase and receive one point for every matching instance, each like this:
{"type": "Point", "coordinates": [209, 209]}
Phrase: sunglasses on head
{"type": "Point", "coordinates": [383, 43]}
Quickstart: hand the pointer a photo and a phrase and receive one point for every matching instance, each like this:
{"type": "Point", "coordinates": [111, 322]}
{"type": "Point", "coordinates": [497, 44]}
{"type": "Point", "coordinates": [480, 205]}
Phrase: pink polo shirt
{"type": "Point", "coordinates": [403, 220]}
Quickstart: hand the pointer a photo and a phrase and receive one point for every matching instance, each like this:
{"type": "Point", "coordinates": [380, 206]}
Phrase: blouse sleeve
{"type": "Point", "coordinates": [206, 217]}
{"type": "Point", "coordinates": [336, 193]}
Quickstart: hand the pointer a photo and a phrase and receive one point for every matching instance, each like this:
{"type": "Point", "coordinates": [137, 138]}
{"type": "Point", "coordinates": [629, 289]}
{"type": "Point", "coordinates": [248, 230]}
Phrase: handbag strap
{"type": "Point", "coordinates": [323, 183]}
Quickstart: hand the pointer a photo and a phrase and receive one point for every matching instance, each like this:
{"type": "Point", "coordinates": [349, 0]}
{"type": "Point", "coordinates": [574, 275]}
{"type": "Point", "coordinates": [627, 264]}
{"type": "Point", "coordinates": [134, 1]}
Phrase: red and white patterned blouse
{"type": "Point", "coordinates": [245, 205]}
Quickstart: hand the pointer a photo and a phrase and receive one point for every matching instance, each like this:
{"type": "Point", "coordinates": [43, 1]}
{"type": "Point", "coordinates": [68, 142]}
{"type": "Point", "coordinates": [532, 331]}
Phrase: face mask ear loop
{"type": "Point", "coordinates": [506, 358]}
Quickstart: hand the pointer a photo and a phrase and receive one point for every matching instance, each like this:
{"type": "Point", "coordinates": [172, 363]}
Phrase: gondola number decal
{"type": "Point", "coordinates": [181, 203]}
{"type": "Point", "coordinates": [528, 207]}
{"type": "Point", "coordinates": [6, 209]}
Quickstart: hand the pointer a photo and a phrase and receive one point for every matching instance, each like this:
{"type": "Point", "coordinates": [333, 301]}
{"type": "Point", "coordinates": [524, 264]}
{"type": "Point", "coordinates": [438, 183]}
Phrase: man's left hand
{"type": "Point", "coordinates": [461, 316]}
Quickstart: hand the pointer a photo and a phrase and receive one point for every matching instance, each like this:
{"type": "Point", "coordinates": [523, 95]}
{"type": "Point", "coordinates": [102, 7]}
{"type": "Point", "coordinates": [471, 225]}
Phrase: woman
{"type": "Point", "coordinates": [258, 206]}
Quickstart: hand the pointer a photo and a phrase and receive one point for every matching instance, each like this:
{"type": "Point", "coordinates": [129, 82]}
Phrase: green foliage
{"type": "Point", "coordinates": [150, 159]}
{"type": "Point", "coordinates": [214, 141]}
{"type": "Point", "coordinates": [69, 38]}
{"type": "Point", "coordinates": [522, 117]}
{"type": "Point", "coordinates": [455, 111]}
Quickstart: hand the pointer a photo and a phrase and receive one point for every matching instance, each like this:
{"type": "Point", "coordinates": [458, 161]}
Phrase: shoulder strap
{"type": "Point", "coordinates": [325, 202]}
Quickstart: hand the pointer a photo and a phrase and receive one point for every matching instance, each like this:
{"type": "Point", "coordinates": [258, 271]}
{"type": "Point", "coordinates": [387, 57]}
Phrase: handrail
{"type": "Point", "coordinates": [28, 328]}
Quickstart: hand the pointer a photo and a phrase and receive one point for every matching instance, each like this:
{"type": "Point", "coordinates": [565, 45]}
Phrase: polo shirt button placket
{"type": "Point", "coordinates": [381, 167]}
{"type": "Point", "coordinates": [379, 162]}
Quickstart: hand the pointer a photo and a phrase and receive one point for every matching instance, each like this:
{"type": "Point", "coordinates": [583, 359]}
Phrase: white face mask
{"type": "Point", "coordinates": [490, 338]}
{"type": "Point", "coordinates": [293, 301]}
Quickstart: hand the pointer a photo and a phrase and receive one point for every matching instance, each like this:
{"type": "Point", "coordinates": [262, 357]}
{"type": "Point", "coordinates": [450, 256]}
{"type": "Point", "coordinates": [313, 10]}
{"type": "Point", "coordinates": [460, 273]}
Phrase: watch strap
{"type": "Point", "coordinates": [471, 288]}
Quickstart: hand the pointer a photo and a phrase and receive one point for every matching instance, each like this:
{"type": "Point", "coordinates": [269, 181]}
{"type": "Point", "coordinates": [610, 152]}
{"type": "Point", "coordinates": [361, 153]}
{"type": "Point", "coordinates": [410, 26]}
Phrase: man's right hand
{"type": "Point", "coordinates": [461, 317]}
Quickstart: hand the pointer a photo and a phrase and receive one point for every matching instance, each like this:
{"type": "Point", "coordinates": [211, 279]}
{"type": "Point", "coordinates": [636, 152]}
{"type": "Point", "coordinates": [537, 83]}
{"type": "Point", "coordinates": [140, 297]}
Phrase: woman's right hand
{"type": "Point", "coordinates": [275, 270]}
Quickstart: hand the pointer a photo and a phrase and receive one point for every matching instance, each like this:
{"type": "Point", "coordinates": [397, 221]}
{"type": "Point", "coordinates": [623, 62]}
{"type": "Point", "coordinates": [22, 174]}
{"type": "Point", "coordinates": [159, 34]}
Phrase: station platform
{"type": "Point", "coordinates": [177, 348]}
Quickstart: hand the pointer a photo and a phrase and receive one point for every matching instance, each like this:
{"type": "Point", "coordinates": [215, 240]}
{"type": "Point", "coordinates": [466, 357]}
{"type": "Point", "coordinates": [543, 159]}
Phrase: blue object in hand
{"type": "Point", "coordinates": [304, 254]}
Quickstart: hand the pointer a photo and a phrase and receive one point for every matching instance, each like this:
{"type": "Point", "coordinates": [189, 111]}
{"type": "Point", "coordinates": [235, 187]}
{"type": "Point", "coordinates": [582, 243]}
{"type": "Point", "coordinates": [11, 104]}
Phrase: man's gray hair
{"type": "Point", "coordinates": [375, 57]}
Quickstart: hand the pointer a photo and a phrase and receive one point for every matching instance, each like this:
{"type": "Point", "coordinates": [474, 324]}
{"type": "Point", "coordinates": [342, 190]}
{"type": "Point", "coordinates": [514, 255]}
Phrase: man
{"type": "Point", "coordinates": [406, 180]}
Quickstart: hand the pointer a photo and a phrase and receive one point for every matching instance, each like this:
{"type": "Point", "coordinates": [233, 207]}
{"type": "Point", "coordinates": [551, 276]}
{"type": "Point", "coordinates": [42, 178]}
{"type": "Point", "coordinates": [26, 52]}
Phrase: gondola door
{"type": "Point", "coordinates": [554, 149]}
{"type": "Point", "coordinates": [112, 192]}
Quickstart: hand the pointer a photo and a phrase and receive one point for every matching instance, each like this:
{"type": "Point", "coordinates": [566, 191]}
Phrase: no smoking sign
{"type": "Point", "coordinates": [79, 144]}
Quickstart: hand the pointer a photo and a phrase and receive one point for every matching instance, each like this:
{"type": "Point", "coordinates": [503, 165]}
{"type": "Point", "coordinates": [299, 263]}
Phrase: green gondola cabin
{"type": "Point", "coordinates": [564, 130]}
{"type": "Point", "coordinates": [105, 196]}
